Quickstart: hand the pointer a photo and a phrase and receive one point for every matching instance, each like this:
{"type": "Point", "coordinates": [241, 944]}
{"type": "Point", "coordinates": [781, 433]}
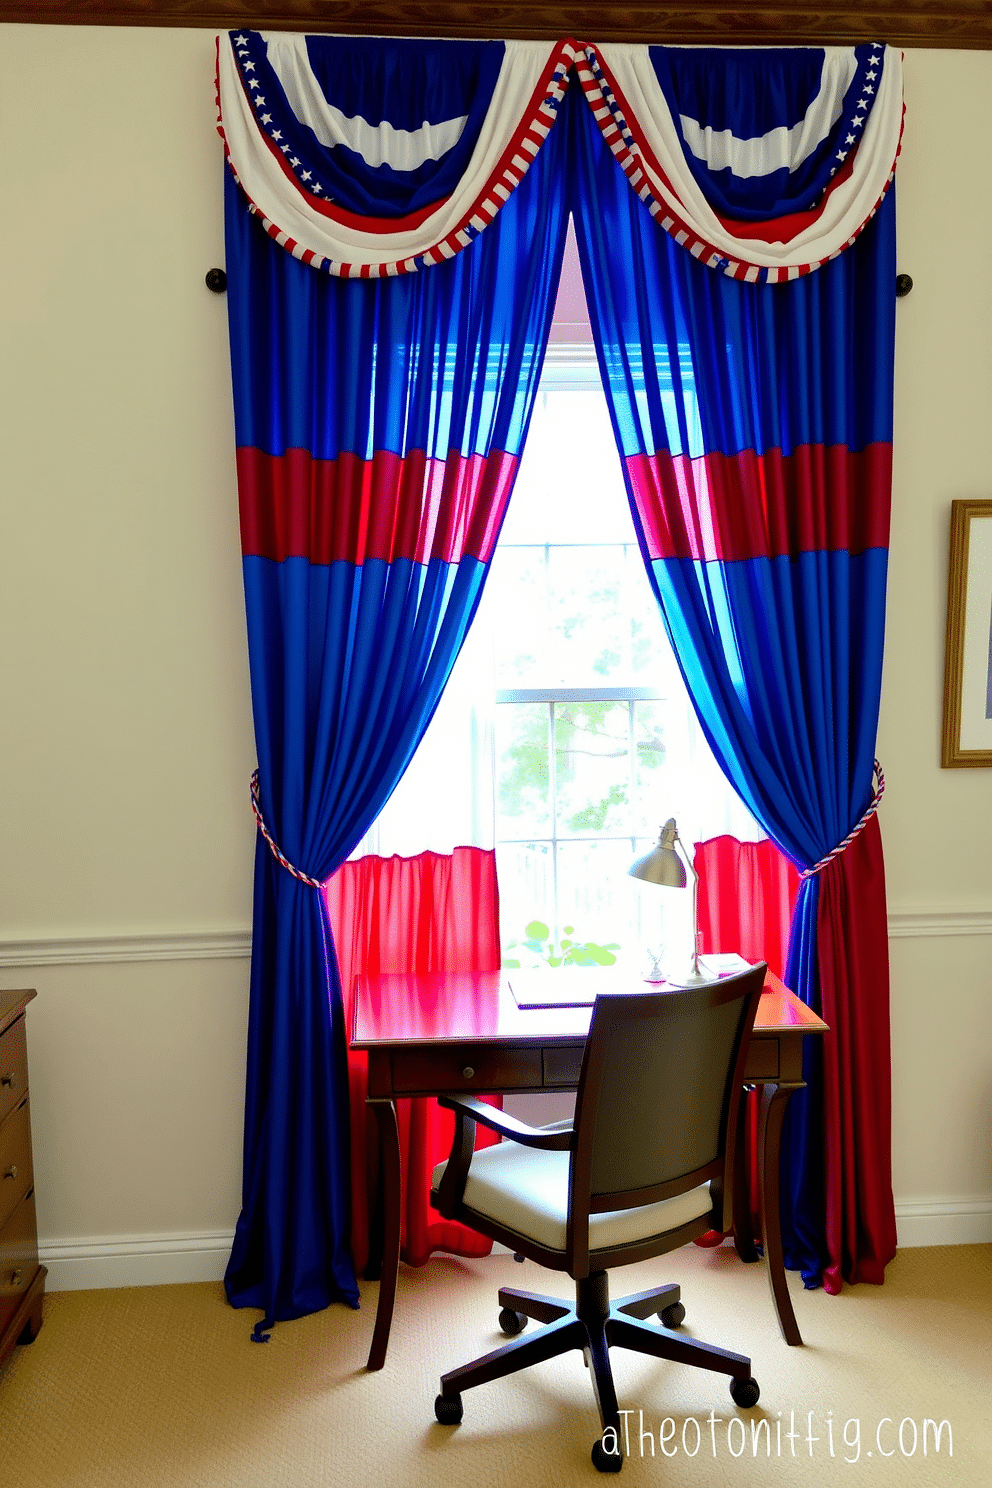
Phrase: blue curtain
{"type": "Point", "coordinates": [378, 426]}
{"type": "Point", "coordinates": [755, 425]}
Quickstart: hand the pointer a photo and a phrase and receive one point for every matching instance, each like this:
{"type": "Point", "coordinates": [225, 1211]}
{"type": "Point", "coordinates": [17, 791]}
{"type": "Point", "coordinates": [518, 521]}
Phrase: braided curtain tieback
{"type": "Point", "coordinates": [859, 827]}
{"type": "Point", "coordinates": [279, 856]}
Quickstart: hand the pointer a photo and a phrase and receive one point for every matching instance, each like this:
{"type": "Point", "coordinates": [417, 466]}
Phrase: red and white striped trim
{"type": "Point", "coordinates": [280, 857]}
{"type": "Point", "coordinates": [635, 158]}
{"type": "Point", "coordinates": [513, 164]}
{"type": "Point", "coordinates": [856, 830]}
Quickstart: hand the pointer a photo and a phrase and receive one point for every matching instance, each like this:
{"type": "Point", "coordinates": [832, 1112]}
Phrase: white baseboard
{"type": "Point", "coordinates": [161, 1260]}
{"type": "Point", "coordinates": [943, 1222]}
{"type": "Point", "coordinates": [135, 1260]}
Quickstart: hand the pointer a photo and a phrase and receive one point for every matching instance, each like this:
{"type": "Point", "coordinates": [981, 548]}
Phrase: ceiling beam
{"type": "Point", "coordinates": [905, 23]}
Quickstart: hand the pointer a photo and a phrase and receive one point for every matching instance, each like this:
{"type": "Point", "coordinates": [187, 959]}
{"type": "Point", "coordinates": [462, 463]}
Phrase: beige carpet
{"type": "Point", "coordinates": [160, 1386]}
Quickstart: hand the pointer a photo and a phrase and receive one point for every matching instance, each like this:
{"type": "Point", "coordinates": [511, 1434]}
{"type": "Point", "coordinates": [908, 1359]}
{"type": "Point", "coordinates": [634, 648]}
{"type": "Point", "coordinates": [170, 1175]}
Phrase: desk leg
{"type": "Point", "coordinates": [389, 1182]}
{"type": "Point", "coordinates": [743, 1225]}
{"type": "Point", "coordinates": [773, 1103]}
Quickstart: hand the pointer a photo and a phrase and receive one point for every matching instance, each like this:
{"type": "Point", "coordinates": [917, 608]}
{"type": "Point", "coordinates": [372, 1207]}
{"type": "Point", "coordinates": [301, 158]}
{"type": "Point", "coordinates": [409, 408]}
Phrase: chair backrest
{"type": "Point", "coordinates": [658, 1091]}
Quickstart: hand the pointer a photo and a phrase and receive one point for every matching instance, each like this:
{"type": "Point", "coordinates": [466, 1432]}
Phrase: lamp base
{"type": "Point", "coordinates": [696, 976]}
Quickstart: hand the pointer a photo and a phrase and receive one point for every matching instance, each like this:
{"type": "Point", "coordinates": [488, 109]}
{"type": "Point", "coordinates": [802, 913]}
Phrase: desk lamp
{"type": "Point", "coordinates": [663, 865]}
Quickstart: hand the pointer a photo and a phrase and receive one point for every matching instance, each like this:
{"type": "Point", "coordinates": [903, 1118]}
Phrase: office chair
{"type": "Point", "coordinates": [644, 1167]}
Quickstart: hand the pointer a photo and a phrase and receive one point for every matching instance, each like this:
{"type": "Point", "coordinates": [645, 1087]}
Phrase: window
{"type": "Point", "coordinates": [595, 738]}
{"type": "Point", "coordinates": [566, 718]}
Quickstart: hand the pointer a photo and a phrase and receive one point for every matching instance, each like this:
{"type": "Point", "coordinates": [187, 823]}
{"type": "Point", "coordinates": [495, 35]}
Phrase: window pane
{"type": "Point", "coordinates": [526, 901]}
{"type": "Point", "coordinates": [577, 617]}
{"type": "Point", "coordinates": [523, 806]}
{"type": "Point", "coordinates": [570, 487]}
{"type": "Point", "coordinates": [590, 634]}
{"type": "Point", "coordinates": [516, 600]}
{"type": "Point", "coordinates": [652, 659]}
{"type": "Point", "coordinates": [598, 900]}
{"type": "Point", "coordinates": [592, 768]}
{"type": "Point", "coordinates": [653, 764]}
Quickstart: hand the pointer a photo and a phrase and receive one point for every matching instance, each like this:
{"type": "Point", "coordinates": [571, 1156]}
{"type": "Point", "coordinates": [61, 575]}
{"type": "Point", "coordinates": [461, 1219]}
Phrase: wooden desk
{"type": "Point", "coordinates": [463, 1031]}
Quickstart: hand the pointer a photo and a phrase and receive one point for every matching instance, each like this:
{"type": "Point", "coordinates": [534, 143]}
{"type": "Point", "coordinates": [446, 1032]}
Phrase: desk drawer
{"type": "Point", "coordinates": [15, 1160]}
{"type": "Point", "coordinates": [13, 1068]}
{"type": "Point", "coordinates": [562, 1064]}
{"type": "Point", "coordinates": [18, 1258]}
{"type": "Point", "coordinates": [465, 1067]}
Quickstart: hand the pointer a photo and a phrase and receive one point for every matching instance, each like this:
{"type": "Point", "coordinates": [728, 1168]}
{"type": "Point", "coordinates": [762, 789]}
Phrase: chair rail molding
{"type": "Point", "coordinates": [924, 923]}
{"type": "Point", "coordinates": [940, 23]}
{"type": "Point", "coordinates": [90, 950]}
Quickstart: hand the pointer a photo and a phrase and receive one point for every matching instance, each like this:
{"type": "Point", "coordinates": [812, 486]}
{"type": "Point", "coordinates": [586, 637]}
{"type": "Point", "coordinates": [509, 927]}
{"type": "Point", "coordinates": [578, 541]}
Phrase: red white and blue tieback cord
{"type": "Point", "coordinates": [277, 853]}
{"type": "Point", "coordinates": [856, 829]}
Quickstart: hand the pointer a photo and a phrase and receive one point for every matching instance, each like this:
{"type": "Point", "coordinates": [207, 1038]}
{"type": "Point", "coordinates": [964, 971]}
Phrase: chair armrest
{"type": "Point", "coordinates": [508, 1126]}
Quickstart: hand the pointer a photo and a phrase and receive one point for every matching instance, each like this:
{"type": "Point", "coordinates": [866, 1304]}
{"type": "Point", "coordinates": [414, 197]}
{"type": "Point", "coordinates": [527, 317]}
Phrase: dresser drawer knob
{"type": "Point", "coordinates": [15, 1278]}
{"type": "Point", "coordinates": [8, 1081]}
{"type": "Point", "coordinates": [11, 1171]}
{"type": "Point", "coordinates": [468, 1072]}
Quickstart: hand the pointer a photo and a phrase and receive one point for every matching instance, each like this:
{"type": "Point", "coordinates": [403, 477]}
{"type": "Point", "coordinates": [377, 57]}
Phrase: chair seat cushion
{"type": "Point", "coordinates": [527, 1190]}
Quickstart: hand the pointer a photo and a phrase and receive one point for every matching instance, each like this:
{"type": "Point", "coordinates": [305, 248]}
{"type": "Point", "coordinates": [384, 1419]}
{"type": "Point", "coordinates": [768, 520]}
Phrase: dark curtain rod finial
{"type": "Point", "coordinates": [904, 284]}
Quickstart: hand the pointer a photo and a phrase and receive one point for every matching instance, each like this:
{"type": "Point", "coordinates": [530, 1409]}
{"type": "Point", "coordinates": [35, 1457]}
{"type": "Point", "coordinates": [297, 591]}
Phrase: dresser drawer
{"type": "Point", "coordinates": [13, 1068]}
{"type": "Point", "coordinates": [18, 1258]}
{"type": "Point", "coordinates": [466, 1067]}
{"type": "Point", "coordinates": [15, 1160]}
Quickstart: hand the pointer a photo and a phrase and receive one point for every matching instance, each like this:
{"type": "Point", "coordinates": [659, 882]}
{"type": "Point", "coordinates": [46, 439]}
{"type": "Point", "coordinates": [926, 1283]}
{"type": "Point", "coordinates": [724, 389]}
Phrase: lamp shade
{"type": "Point", "coordinates": [662, 865]}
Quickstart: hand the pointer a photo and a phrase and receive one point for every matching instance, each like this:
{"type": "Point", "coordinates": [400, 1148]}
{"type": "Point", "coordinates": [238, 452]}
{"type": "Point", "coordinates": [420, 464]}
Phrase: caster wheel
{"type": "Point", "coordinates": [518, 1257]}
{"type": "Point", "coordinates": [512, 1322]}
{"type": "Point", "coordinates": [604, 1461]}
{"type": "Point", "coordinates": [448, 1409]}
{"type": "Point", "coordinates": [744, 1392]}
{"type": "Point", "coordinates": [673, 1316]}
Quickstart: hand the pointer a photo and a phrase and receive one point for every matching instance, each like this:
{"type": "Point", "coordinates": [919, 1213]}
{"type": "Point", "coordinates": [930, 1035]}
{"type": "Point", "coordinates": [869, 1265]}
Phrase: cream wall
{"type": "Point", "coordinates": [937, 824]}
{"type": "Point", "coordinates": [125, 732]}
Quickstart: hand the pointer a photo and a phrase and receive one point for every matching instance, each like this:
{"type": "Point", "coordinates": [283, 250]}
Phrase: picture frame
{"type": "Point", "coordinates": [966, 738]}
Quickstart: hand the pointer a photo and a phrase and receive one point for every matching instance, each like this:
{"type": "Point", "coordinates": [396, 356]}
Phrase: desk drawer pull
{"type": "Point", "coordinates": [468, 1072]}
{"type": "Point", "coordinates": [11, 1171]}
{"type": "Point", "coordinates": [9, 1080]}
{"type": "Point", "coordinates": [15, 1278]}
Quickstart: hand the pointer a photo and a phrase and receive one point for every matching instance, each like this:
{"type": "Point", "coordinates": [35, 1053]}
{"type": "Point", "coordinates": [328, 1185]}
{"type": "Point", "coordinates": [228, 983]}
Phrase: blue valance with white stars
{"type": "Point", "coordinates": [369, 157]}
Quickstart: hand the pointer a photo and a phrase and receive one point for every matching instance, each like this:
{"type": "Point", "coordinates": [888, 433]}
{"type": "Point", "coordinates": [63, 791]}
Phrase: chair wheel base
{"type": "Point", "coordinates": [448, 1409]}
{"type": "Point", "coordinates": [744, 1392]}
{"type": "Point", "coordinates": [673, 1316]}
{"type": "Point", "coordinates": [604, 1461]}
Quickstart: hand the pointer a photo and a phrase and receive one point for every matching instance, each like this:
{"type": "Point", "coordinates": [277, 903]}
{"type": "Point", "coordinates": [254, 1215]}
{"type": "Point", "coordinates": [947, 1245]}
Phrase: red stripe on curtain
{"type": "Point", "coordinates": [430, 913]}
{"type": "Point", "coordinates": [819, 498]}
{"type": "Point", "coordinates": [746, 894]}
{"type": "Point", "coordinates": [392, 506]}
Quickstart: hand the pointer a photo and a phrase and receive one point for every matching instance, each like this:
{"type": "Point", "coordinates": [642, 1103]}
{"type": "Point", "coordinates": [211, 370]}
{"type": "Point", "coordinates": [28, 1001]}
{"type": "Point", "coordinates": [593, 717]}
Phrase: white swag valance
{"type": "Point", "coordinates": [375, 156]}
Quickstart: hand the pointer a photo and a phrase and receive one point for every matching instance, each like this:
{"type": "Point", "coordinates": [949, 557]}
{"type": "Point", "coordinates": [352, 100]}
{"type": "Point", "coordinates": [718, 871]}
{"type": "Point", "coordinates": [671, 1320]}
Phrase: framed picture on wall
{"type": "Point", "coordinates": [967, 731]}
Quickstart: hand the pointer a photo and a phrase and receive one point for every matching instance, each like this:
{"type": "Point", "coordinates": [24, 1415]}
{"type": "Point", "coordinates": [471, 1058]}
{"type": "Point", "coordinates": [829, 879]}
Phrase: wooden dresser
{"type": "Point", "coordinates": [22, 1280]}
